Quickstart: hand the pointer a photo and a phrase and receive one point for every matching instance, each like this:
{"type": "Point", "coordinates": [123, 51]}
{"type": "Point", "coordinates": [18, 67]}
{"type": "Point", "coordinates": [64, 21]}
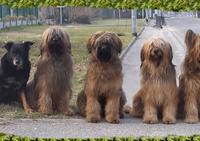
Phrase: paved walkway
{"type": "Point", "coordinates": [79, 128]}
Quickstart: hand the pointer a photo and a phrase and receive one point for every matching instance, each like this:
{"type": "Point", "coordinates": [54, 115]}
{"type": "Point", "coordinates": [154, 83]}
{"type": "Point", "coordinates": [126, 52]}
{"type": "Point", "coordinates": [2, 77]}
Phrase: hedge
{"type": "Point", "coordinates": [173, 5]}
{"type": "Point", "coordinates": [6, 137]}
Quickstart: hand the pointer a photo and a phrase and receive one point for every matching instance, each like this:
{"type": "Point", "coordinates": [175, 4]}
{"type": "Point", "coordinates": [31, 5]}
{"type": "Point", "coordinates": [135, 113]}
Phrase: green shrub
{"type": "Point", "coordinates": [6, 137]}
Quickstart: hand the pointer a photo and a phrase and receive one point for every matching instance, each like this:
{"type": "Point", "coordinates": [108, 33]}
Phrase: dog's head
{"type": "Point", "coordinates": [192, 41]}
{"type": "Point", "coordinates": [156, 51]}
{"type": "Point", "coordinates": [55, 42]}
{"type": "Point", "coordinates": [104, 46]}
{"type": "Point", "coordinates": [17, 53]}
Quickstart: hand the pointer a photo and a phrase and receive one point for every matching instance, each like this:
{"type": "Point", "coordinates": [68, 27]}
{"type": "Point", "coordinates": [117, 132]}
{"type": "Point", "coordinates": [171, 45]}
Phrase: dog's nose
{"type": "Point", "coordinates": [56, 38]}
{"type": "Point", "coordinates": [16, 61]}
{"type": "Point", "coordinates": [156, 51]}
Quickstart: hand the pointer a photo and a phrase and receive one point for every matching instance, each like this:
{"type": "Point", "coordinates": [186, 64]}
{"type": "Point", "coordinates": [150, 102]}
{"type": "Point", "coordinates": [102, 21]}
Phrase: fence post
{"type": "Point", "coordinates": [1, 11]}
{"type": "Point", "coordinates": [3, 23]}
{"type": "Point", "coordinates": [10, 24]}
{"type": "Point", "coordinates": [133, 21]}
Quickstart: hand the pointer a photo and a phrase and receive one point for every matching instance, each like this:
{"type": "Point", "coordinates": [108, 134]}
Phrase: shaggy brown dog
{"type": "Point", "coordinates": [158, 93]}
{"type": "Point", "coordinates": [189, 81]}
{"type": "Point", "coordinates": [102, 94]}
{"type": "Point", "coordinates": [51, 87]}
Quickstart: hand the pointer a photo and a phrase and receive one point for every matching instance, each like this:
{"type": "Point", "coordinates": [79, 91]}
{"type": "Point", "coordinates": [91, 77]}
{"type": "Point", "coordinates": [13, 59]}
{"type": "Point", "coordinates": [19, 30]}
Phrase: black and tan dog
{"type": "Point", "coordinates": [50, 90]}
{"type": "Point", "coordinates": [103, 94]}
{"type": "Point", "coordinates": [158, 94]}
{"type": "Point", "coordinates": [14, 73]}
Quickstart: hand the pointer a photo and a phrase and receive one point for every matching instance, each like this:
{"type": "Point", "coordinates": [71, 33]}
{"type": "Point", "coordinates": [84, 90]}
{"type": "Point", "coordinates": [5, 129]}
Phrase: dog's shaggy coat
{"type": "Point", "coordinates": [50, 89]}
{"type": "Point", "coordinates": [103, 94]}
{"type": "Point", "coordinates": [189, 80]}
{"type": "Point", "coordinates": [158, 92]}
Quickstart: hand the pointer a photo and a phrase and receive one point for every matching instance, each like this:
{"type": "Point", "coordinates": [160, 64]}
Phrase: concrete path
{"type": "Point", "coordinates": [79, 128]}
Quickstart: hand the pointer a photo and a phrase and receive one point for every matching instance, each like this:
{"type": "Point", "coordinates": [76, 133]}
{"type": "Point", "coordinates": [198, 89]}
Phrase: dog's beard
{"type": "Point", "coordinates": [104, 54]}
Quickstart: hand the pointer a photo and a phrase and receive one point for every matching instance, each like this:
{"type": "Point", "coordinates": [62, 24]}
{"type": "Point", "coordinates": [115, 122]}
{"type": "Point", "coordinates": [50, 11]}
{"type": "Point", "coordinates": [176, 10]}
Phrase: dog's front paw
{"type": "Point", "coordinates": [28, 110]}
{"type": "Point", "coordinates": [93, 120]}
{"type": "Point", "coordinates": [69, 113]}
{"type": "Point", "coordinates": [114, 120]}
{"type": "Point", "coordinates": [150, 120]}
{"type": "Point", "coordinates": [192, 119]}
{"type": "Point", "coordinates": [169, 120]}
{"type": "Point", "coordinates": [45, 111]}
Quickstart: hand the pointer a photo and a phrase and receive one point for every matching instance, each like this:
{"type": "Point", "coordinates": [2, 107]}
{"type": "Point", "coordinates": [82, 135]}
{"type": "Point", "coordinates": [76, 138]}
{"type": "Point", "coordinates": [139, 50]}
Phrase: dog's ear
{"type": "Point", "coordinates": [27, 44]}
{"type": "Point", "coordinates": [190, 38]}
{"type": "Point", "coordinates": [170, 53]}
{"type": "Point", "coordinates": [68, 43]}
{"type": "Point", "coordinates": [8, 45]}
{"type": "Point", "coordinates": [142, 55]}
{"type": "Point", "coordinates": [119, 43]}
{"type": "Point", "coordinates": [69, 47]}
{"type": "Point", "coordinates": [91, 41]}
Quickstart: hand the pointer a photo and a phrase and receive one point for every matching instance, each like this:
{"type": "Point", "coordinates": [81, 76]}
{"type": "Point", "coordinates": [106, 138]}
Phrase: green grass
{"type": "Point", "coordinates": [78, 36]}
{"type": "Point", "coordinates": [7, 137]}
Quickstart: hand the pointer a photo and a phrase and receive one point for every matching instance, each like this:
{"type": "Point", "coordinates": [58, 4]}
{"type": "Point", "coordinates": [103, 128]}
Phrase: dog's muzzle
{"type": "Point", "coordinates": [17, 62]}
{"type": "Point", "coordinates": [156, 55]}
{"type": "Point", "coordinates": [104, 53]}
{"type": "Point", "coordinates": [55, 45]}
{"type": "Point", "coordinates": [56, 40]}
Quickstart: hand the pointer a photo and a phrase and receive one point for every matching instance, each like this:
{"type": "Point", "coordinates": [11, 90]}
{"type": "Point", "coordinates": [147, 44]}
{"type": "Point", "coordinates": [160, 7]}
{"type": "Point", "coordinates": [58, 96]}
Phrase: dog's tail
{"type": "Point", "coordinates": [123, 101]}
{"type": "Point", "coordinates": [81, 103]}
{"type": "Point", "coordinates": [30, 96]}
{"type": "Point", "coordinates": [137, 108]}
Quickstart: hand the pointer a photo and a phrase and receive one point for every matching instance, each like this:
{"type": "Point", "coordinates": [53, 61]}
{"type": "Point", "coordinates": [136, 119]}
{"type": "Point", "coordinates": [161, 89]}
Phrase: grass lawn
{"type": "Point", "coordinates": [78, 36]}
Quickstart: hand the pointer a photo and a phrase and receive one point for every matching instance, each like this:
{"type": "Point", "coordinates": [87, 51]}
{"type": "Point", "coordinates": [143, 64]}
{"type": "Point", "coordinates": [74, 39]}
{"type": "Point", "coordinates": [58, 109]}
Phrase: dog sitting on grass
{"type": "Point", "coordinates": [14, 73]}
{"type": "Point", "coordinates": [50, 90]}
{"type": "Point", "coordinates": [103, 94]}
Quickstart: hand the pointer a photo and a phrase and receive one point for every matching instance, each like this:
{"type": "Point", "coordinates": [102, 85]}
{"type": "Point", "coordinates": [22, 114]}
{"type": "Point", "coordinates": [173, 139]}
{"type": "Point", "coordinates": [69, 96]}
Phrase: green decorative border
{"type": "Point", "coordinates": [5, 137]}
{"type": "Point", "coordinates": [174, 5]}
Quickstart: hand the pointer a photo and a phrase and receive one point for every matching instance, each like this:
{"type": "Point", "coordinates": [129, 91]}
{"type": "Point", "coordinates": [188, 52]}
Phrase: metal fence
{"type": "Point", "coordinates": [6, 11]}
{"type": "Point", "coordinates": [10, 17]}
